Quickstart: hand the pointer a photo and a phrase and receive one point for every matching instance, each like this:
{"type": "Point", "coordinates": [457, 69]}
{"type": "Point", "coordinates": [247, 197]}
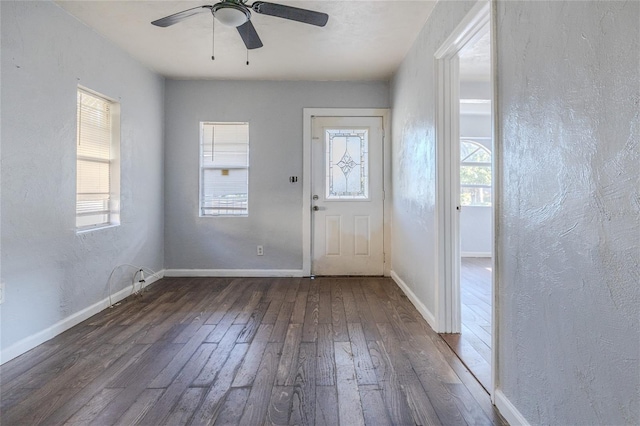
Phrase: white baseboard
{"type": "Point", "coordinates": [475, 254]}
{"type": "Point", "coordinates": [48, 333]}
{"type": "Point", "coordinates": [508, 410]}
{"type": "Point", "coordinates": [233, 273]}
{"type": "Point", "coordinates": [426, 313]}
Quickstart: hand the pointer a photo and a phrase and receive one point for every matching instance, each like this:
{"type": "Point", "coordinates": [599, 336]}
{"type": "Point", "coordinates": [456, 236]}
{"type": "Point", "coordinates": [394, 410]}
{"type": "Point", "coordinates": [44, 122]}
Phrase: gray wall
{"type": "Point", "coordinates": [475, 231]}
{"type": "Point", "coordinates": [414, 155]}
{"type": "Point", "coordinates": [50, 272]}
{"type": "Point", "coordinates": [569, 266]}
{"type": "Point", "coordinates": [274, 113]}
{"type": "Point", "coordinates": [568, 237]}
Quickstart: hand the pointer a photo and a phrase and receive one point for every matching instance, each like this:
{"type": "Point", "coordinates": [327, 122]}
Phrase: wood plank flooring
{"type": "Point", "coordinates": [473, 345]}
{"type": "Point", "coordinates": [249, 351]}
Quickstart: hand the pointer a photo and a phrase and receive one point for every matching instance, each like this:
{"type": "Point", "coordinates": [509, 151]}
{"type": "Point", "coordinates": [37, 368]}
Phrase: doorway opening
{"type": "Point", "coordinates": [473, 344]}
{"type": "Point", "coordinates": [465, 170]}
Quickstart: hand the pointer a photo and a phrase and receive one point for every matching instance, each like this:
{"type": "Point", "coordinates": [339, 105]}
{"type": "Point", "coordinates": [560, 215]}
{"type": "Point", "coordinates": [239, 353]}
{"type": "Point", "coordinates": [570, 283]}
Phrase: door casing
{"type": "Point", "coordinates": [308, 114]}
{"type": "Point", "coordinates": [447, 274]}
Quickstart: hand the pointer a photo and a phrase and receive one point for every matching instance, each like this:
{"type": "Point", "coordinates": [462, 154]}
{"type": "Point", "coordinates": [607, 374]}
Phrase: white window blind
{"type": "Point", "coordinates": [94, 157]}
{"type": "Point", "coordinates": [224, 169]}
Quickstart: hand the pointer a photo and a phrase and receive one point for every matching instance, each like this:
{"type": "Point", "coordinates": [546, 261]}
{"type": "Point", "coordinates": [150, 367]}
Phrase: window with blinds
{"type": "Point", "coordinates": [224, 169]}
{"type": "Point", "coordinates": [95, 182]}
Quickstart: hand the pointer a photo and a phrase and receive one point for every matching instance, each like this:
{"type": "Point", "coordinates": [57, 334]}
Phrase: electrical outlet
{"type": "Point", "coordinates": [1, 292]}
{"type": "Point", "coordinates": [260, 250]}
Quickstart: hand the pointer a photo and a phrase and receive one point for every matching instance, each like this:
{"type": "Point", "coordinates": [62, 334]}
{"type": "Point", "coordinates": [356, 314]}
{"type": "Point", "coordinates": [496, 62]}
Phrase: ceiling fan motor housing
{"type": "Point", "coordinates": [231, 13]}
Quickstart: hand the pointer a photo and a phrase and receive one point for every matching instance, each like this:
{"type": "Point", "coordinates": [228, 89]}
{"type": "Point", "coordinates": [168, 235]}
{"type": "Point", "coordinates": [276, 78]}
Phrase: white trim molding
{"type": "Point", "coordinates": [475, 254]}
{"type": "Point", "coordinates": [424, 311]}
{"type": "Point", "coordinates": [496, 167]}
{"type": "Point", "coordinates": [447, 271]}
{"type": "Point", "coordinates": [508, 410]}
{"type": "Point", "coordinates": [249, 273]}
{"type": "Point", "coordinates": [49, 333]}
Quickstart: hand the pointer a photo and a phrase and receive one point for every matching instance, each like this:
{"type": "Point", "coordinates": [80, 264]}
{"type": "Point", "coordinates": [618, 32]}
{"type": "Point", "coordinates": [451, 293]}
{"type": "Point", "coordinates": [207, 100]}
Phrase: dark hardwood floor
{"type": "Point", "coordinates": [248, 351]}
{"type": "Point", "coordinates": [473, 345]}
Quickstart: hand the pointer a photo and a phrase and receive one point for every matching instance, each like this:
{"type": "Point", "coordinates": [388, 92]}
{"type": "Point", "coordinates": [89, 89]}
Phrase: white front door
{"type": "Point", "coordinates": [347, 196]}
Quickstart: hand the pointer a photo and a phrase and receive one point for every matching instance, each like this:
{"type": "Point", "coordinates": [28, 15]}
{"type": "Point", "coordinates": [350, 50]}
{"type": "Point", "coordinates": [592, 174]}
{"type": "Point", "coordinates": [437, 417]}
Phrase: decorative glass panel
{"type": "Point", "coordinates": [347, 164]}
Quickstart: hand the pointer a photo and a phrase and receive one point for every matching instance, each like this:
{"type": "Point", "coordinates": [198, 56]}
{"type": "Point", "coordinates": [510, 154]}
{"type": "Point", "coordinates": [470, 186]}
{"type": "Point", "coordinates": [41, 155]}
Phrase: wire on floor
{"type": "Point", "coordinates": [139, 270]}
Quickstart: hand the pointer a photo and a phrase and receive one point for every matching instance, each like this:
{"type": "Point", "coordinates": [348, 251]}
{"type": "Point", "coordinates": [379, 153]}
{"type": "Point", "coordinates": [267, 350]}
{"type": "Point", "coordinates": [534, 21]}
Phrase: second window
{"type": "Point", "coordinates": [224, 169]}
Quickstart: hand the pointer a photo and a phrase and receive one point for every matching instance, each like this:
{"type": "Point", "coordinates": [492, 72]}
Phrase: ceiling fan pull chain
{"type": "Point", "coordinates": [213, 37]}
{"type": "Point", "coordinates": [247, 56]}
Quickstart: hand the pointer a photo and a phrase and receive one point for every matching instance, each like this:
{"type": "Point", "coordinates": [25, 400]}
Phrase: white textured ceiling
{"type": "Point", "coordinates": [475, 60]}
{"type": "Point", "coordinates": [363, 40]}
{"type": "Point", "coordinates": [475, 67]}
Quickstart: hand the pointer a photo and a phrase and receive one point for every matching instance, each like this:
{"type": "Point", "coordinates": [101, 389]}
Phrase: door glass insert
{"type": "Point", "coordinates": [347, 164]}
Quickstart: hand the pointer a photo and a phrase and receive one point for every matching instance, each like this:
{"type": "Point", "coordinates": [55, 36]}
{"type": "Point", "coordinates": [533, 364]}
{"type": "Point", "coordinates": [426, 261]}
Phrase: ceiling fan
{"type": "Point", "coordinates": [236, 13]}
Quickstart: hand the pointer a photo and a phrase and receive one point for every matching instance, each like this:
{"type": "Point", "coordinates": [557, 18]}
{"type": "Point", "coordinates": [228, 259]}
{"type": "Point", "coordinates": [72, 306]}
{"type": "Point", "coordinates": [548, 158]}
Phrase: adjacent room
{"type": "Point", "coordinates": [250, 213]}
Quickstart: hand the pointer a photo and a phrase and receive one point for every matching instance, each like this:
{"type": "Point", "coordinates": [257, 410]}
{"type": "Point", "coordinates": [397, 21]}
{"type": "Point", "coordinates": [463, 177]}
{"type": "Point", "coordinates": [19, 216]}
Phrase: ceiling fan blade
{"type": "Point", "coordinates": [293, 13]}
{"type": "Point", "coordinates": [177, 17]}
{"type": "Point", "coordinates": [249, 35]}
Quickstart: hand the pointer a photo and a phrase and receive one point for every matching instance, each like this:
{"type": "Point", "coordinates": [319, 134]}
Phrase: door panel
{"type": "Point", "coordinates": [347, 188]}
{"type": "Point", "coordinates": [362, 233]}
{"type": "Point", "coordinates": [332, 235]}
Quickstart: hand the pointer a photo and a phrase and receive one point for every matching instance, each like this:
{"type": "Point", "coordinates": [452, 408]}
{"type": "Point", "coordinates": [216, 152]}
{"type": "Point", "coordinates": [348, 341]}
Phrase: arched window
{"type": "Point", "coordinates": [475, 174]}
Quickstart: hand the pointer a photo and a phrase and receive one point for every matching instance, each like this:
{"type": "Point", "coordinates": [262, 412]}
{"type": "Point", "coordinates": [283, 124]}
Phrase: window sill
{"type": "Point", "coordinates": [221, 215]}
{"type": "Point", "coordinates": [80, 231]}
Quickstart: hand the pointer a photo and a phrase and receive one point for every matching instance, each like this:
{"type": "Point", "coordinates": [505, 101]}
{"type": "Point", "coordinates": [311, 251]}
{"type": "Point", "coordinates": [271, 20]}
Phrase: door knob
{"type": "Point", "coordinates": [316, 208]}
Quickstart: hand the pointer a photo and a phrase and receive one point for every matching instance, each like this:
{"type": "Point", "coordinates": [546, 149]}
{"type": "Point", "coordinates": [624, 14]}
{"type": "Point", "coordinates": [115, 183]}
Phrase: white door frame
{"type": "Point", "coordinates": [308, 114]}
{"type": "Point", "coordinates": [448, 318]}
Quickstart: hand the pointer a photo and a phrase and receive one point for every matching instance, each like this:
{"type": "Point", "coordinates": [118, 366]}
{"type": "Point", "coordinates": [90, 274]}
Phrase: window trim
{"type": "Point", "coordinates": [202, 168]}
{"type": "Point", "coordinates": [114, 164]}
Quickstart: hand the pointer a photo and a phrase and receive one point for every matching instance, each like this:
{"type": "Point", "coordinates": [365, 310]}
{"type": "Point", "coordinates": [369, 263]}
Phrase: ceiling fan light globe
{"type": "Point", "coordinates": [231, 16]}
